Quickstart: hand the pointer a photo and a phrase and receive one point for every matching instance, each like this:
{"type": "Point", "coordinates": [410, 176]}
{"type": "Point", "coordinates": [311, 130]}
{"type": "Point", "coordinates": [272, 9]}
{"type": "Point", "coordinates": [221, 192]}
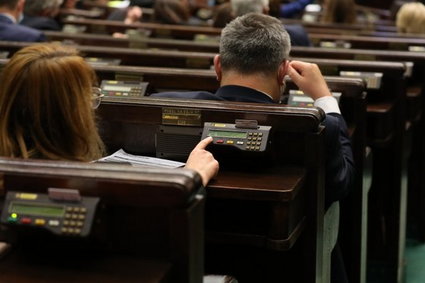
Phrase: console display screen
{"type": "Point", "coordinates": [227, 134]}
{"type": "Point", "coordinates": [116, 88]}
{"type": "Point", "coordinates": [36, 209]}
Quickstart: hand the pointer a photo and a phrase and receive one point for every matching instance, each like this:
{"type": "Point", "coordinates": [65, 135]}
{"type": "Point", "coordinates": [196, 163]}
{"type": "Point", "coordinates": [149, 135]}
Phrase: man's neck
{"type": "Point", "coordinates": [9, 13]}
{"type": "Point", "coordinates": [267, 85]}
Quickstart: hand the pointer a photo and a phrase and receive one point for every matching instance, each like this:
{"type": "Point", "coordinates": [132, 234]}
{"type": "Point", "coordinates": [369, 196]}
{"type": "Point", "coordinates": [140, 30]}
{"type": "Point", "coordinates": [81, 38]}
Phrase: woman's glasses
{"type": "Point", "coordinates": [96, 97]}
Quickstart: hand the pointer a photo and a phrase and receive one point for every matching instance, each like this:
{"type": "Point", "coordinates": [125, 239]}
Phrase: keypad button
{"type": "Point", "coordinates": [260, 134]}
{"type": "Point", "coordinates": [69, 209]}
{"type": "Point", "coordinates": [77, 231]}
{"type": "Point", "coordinates": [81, 217]}
{"type": "Point", "coordinates": [54, 222]}
{"type": "Point", "coordinates": [255, 134]}
{"type": "Point", "coordinates": [249, 134]}
{"type": "Point", "coordinates": [25, 220]}
{"type": "Point", "coordinates": [257, 148]}
{"type": "Point", "coordinates": [247, 148]}
{"type": "Point", "coordinates": [64, 230]}
{"type": "Point", "coordinates": [76, 209]}
{"type": "Point", "coordinates": [83, 210]}
{"type": "Point", "coordinates": [67, 215]}
{"type": "Point", "coordinates": [260, 139]}
{"type": "Point", "coordinates": [258, 143]}
{"type": "Point", "coordinates": [80, 224]}
{"type": "Point", "coordinates": [12, 220]}
{"type": "Point", "coordinates": [40, 222]}
{"type": "Point", "coordinates": [240, 142]}
{"type": "Point", "coordinates": [74, 216]}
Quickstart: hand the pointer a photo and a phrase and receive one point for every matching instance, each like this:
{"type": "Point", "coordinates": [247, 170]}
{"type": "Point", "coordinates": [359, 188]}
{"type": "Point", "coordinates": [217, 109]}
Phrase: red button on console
{"type": "Point", "coordinates": [25, 220]}
{"type": "Point", "coordinates": [219, 141]}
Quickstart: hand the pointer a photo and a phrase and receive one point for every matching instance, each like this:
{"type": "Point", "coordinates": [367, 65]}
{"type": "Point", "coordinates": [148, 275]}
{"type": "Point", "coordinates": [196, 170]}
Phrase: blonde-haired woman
{"type": "Point", "coordinates": [47, 102]}
{"type": "Point", "coordinates": [411, 18]}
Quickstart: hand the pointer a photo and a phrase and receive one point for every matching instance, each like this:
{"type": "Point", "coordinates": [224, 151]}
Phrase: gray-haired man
{"type": "Point", "coordinates": [251, 67]}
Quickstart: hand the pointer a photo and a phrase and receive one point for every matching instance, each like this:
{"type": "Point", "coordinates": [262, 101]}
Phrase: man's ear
{"type": "Point", "coordinates": [283, 69]}
{"type": "Point", "coordinates": [217, 66]}
{"type": "Point", "coordinates": [20, 6]}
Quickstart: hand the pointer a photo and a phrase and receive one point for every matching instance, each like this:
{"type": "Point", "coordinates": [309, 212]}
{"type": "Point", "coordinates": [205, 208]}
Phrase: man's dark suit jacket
{"type": "Point", "coordinates": [41, 23]}
{"type": "Point", "coordinates": [339, 157]}
{"type": "Point", "coordinates": [14, 32]}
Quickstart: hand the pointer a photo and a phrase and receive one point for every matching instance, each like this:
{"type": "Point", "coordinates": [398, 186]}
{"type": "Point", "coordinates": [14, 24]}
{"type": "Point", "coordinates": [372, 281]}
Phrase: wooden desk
{"type": "Point", "coordinates": [157, 30]}
{"type": "Point", "coordinates": [288, 205]}
{"type": "Point", "coordinates": [368, 42]}
{"type": "Point", "coordinates": [148, 225]}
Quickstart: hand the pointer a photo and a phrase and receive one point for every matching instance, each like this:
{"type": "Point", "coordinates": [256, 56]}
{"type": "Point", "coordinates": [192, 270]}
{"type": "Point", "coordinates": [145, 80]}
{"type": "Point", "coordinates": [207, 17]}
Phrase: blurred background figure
{"type": "Point", "coordinates": [11, 12]}
{"type": "Point", "coordinates": [180, 12]}
{"type": "Point", "coordinates": [130, 15]}
{"type": "Point", "coordinates": [288, 10]}
{"type": "Point", "coordinates": [297, 33]}
{"type": "Point", "coordinates": [71, 4]}
{"type": "Point", "coordinates": [339, 11]}
{"type": "Point", "coordinates": [222, 15]}
{"type": "Point", "coordinates": [41, 14]}
{"type": "Point", "coordinates": [411, 18]}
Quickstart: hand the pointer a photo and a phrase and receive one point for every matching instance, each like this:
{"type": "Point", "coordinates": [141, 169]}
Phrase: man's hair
{"type": "Point", "coordinates": [36, 7]}
{"type": "Point", "coordinates": [11, 4]}
{"type": "Point", "coordinates": [254, 43]}
{"type": "Point", "coordinates": [242, 7]}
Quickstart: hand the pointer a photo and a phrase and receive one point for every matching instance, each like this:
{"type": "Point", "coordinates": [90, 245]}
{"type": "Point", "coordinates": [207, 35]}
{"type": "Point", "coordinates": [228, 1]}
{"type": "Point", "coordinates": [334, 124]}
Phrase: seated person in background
{"type": "Point", "coordinates": [130, 15]}
{"type": "Point", "coordinates": [10, 14]}
{"type": "Point", "coordinates": [222, 15]}
{"type": "Point", "coordinates": [291, 9]}
{"type": "Point", "coordinates": [339, 11]}
{"type": "Point", "coordinates": [297, 33]}
{"type": "Point", "coordinates": [40, 14]}
{"type": "Point", "coordinates": [71, 4]}
{"type": "Point", "coordinates": [247, 75]}
{"type": "Point", "coordinates": [177, 12]}
{"type": "Point", "coordinates": [142, 3]}
{"type": "Point", "coordinates": [47, 103]}
{"type": "Point", "coordinates": [411, 18]}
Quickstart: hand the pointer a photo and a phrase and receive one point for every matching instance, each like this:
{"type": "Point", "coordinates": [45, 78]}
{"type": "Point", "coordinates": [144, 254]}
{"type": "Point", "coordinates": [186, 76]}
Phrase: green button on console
{"type": "Point", "coordinates": [12, 220]}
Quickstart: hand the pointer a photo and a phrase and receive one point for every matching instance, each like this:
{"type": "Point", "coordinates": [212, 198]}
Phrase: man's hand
{"type": "Point", "coordinates": [309, 79]}
{"type": "Point", "coordinates": [202, 161]}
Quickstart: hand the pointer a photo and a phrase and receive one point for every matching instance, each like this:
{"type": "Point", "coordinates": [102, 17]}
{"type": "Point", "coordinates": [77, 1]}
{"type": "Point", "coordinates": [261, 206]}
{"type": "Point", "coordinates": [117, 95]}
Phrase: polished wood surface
{"type": "Point", "coordinates": [280, 216]}
{"type": "Point", "coordinates": [147, 217]}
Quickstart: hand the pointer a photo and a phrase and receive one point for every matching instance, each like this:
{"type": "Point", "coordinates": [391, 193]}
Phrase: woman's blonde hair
{"type": "Point", "coordinates": [411, 18]}
{"type": "Point", "coordinates": [340, 11]}
{"type": "Point", "coordinates": [46, 105]}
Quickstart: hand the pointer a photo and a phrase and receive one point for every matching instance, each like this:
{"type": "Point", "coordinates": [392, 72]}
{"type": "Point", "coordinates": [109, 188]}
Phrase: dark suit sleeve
{"type": "Point", "coordinates": [41, 38]}
{"type": "Point", "coordinates": [339, 159]}
{"type": "Point", "coordinates": [188, 95]}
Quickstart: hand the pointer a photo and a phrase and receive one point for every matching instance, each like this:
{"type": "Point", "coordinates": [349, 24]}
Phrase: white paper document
{"type": "Point", "coordinates": [121, 156]}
